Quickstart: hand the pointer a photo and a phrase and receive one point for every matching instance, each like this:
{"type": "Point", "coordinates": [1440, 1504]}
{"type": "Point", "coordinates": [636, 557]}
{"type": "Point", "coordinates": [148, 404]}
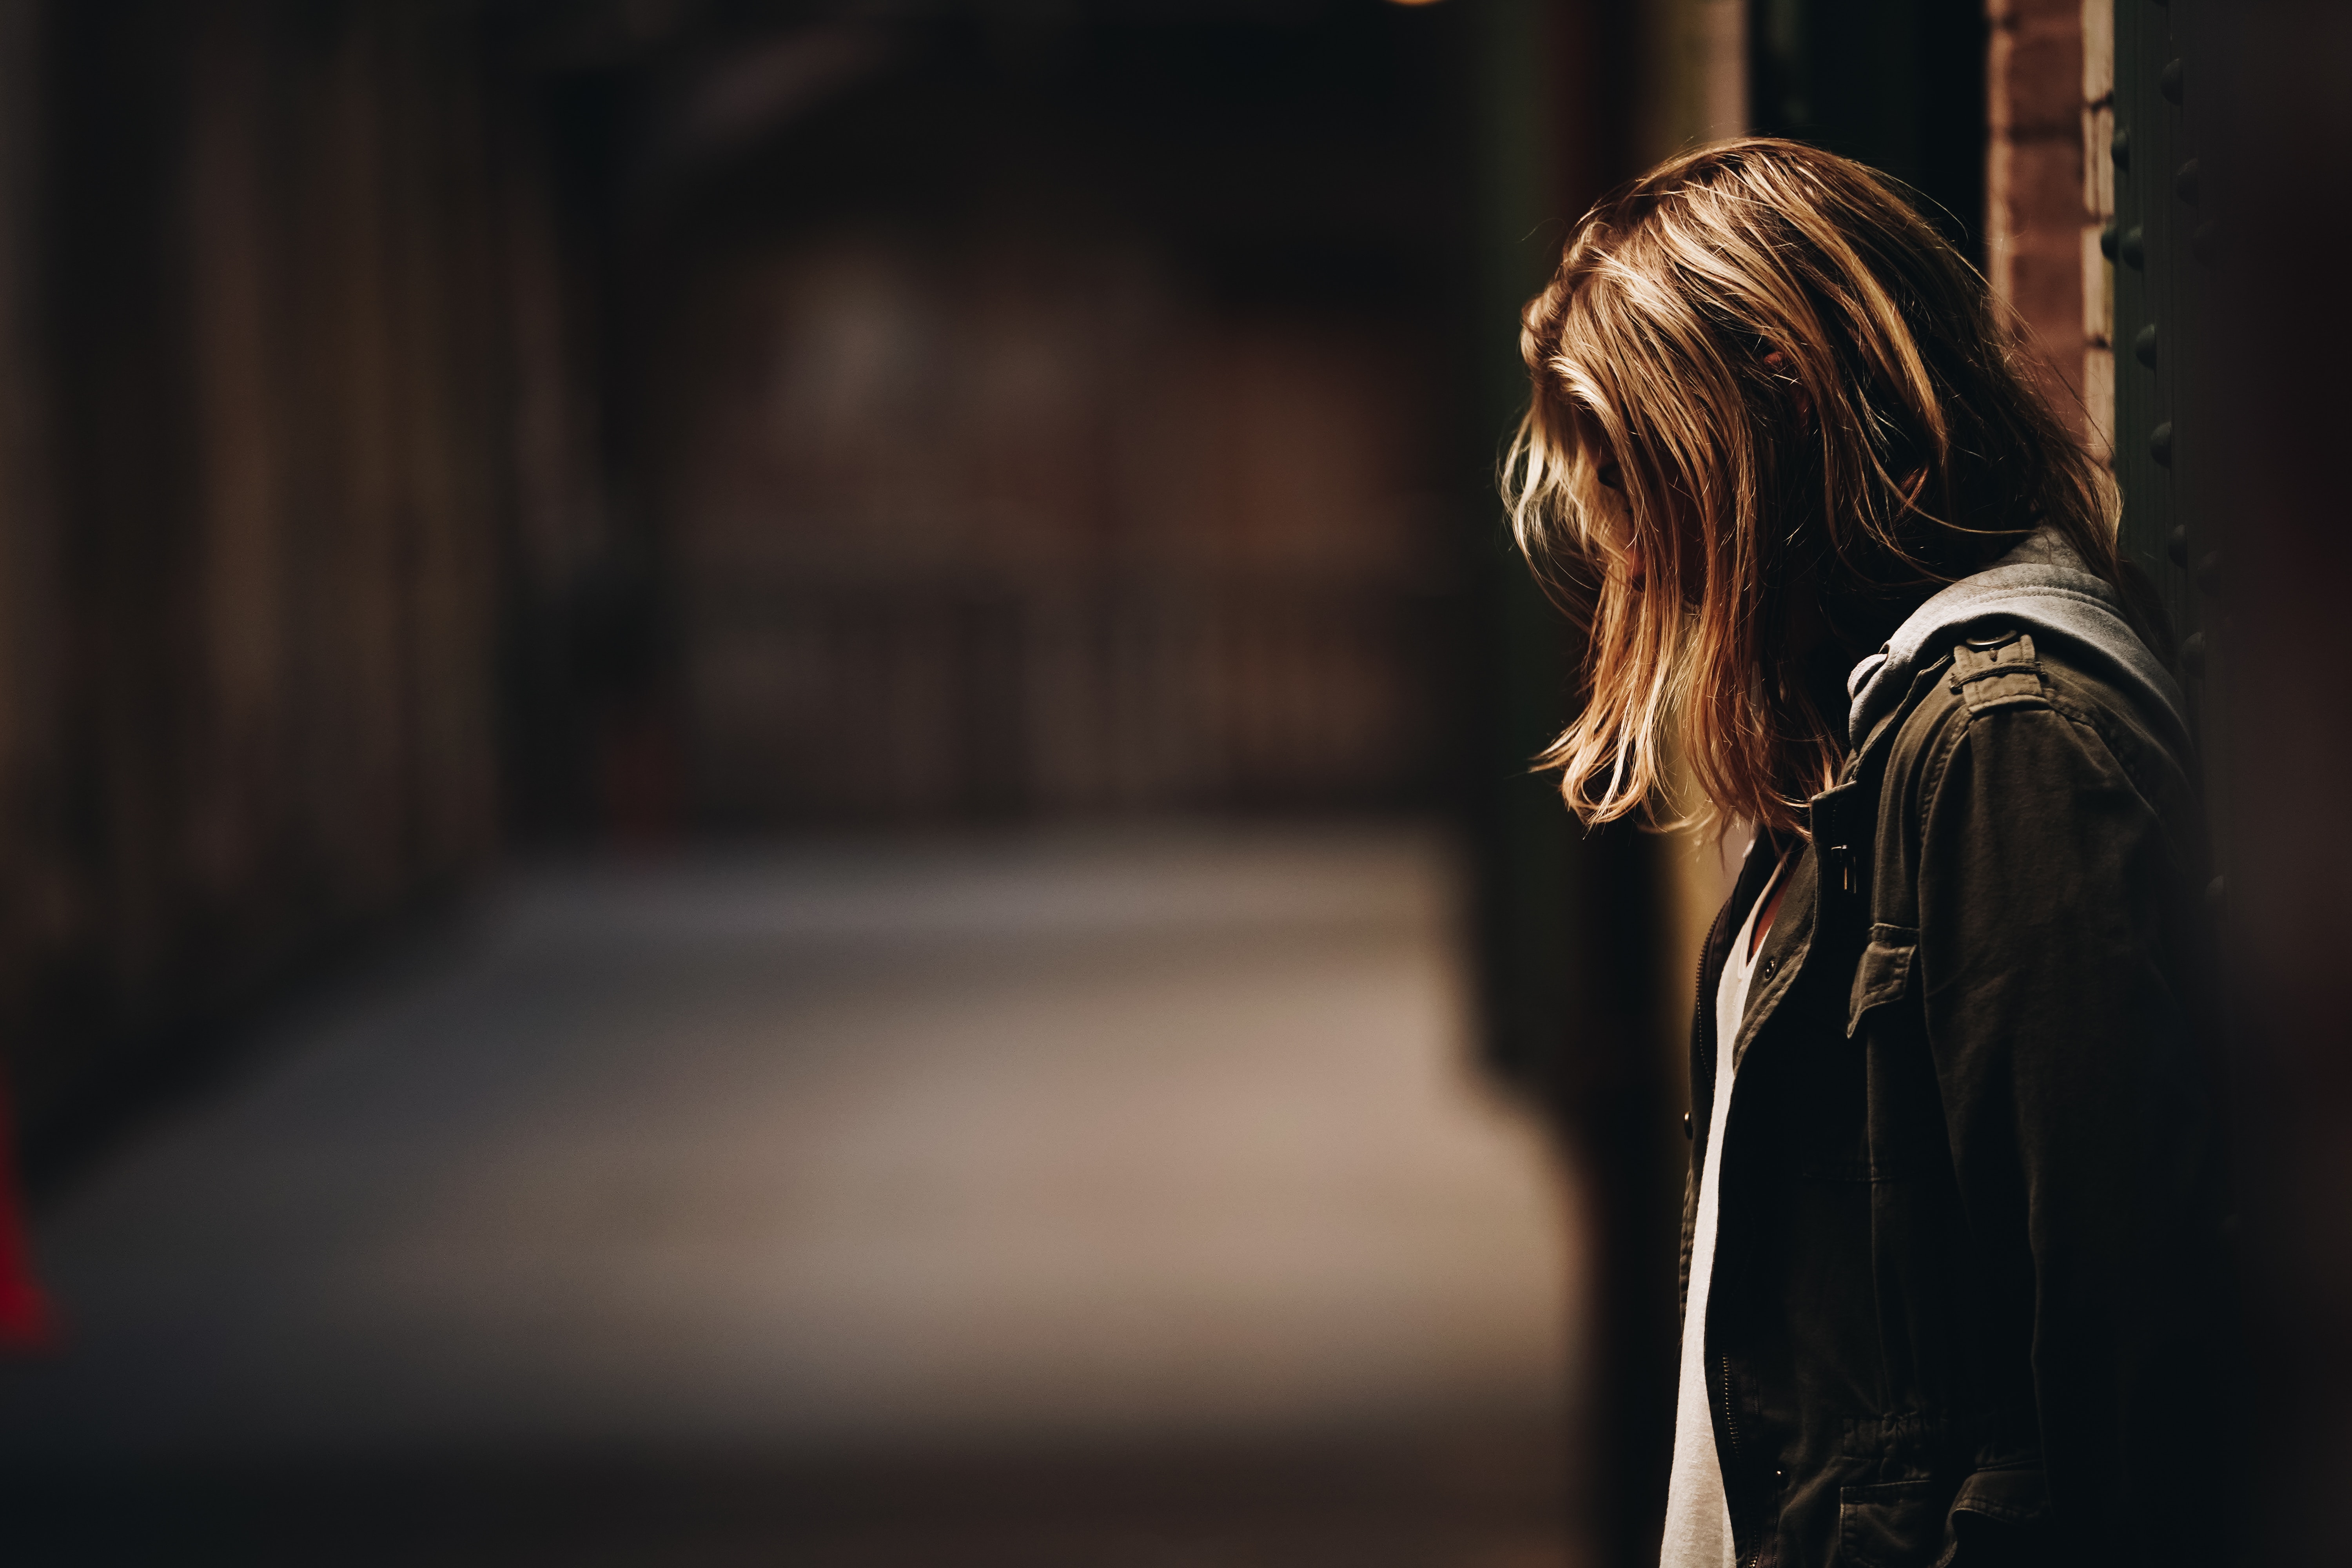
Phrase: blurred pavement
{"type": "Point", "coordinates": [1123, 1142]}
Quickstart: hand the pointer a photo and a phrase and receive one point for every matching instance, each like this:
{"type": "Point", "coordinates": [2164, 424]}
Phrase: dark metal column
{"type": "Point", "coordinates": [1566, 917]}
{"type": "Point", "coordinates": [2162, 240]}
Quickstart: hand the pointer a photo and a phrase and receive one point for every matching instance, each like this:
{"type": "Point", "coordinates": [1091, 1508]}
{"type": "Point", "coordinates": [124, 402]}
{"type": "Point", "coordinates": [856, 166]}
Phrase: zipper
{"type": "Point", "coordinates": [1731, 1453]}
{"type": "Point", "coordinates": [1698, 987]}
{"type": "Point", "coordinates": [1730, 1426]}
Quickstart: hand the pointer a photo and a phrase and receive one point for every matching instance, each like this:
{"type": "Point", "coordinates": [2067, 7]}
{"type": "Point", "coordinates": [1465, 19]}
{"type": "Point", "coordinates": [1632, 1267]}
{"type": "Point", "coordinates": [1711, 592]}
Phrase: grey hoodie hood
{"type": "Point", "coordinates": [2041, 587]}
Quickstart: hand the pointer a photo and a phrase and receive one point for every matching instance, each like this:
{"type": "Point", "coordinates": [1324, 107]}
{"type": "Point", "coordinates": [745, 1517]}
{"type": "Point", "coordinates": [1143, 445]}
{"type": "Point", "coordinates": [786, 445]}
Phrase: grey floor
{"type": "Point", "coordinates": [1092, 1197]}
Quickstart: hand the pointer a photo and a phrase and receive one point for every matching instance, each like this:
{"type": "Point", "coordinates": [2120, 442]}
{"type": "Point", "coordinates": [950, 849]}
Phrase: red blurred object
{"type": "Point", "coordinates": [27, 1324]}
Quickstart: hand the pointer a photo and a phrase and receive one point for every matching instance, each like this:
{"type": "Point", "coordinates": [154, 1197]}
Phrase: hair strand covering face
{"type": "Point", "coordinates": [1772, 410]}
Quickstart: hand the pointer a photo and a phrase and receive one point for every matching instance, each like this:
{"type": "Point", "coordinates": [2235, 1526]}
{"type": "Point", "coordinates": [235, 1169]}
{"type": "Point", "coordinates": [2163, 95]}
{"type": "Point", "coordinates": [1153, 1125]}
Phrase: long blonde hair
{"type": "Point", "coordinates": [1771, 405]}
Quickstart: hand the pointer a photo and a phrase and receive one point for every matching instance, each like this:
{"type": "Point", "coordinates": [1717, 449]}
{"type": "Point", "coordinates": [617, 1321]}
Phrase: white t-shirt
{"type": "Point", "coordinates": [1698, 1515]}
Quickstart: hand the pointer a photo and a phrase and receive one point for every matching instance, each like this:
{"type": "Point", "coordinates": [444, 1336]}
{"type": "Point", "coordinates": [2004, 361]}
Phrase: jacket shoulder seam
{"type": "Point", "coordinates": [1960, 725]}
{"type": "Point", "coordinates": [1948, 721]}
{"type": "Point", "coordinates": [2088, 722]}
{"type": "Point", "coordinates": [2130, 759]}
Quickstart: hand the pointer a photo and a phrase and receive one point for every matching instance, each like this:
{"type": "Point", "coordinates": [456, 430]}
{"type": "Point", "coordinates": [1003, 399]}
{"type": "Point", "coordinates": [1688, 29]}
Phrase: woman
{"type": "Point", "coordinates": [1952, 1237]}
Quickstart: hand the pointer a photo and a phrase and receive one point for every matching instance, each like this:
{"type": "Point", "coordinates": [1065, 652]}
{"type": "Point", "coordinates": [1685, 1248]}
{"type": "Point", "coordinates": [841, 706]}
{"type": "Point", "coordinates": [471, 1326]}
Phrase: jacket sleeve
{"type": "Point", "coordinates": [2059, 933]}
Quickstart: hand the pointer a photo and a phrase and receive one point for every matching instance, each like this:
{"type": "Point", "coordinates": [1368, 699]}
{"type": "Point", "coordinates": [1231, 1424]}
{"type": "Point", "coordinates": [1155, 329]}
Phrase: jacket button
{"type": "Point", "coordinates": [1770, 966]}
{"type": "Point", "coordinates": [1686, 1125]}
{"type": "Point", "coordinates": [1779, 1478]}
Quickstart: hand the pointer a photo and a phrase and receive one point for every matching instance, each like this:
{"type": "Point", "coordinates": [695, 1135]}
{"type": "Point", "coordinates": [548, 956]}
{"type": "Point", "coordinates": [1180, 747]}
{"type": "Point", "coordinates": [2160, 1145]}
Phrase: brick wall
{"type": "Point", "coordinates": [2049, 191]}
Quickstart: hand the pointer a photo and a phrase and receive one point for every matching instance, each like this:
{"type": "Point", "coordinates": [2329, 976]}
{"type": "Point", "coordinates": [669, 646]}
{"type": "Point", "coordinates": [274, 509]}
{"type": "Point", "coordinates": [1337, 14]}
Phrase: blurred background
{"type": "Point", "coordinates": [763, 777]}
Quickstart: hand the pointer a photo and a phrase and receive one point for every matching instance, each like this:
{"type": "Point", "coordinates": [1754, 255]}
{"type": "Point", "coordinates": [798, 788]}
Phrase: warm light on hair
{"type": "Point", "coordinates": [1768, 399]}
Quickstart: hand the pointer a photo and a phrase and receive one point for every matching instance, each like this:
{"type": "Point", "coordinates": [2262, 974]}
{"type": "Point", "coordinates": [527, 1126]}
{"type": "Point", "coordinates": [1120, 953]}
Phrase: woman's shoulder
{"type": "Point", "coordinates": [2039, 702]}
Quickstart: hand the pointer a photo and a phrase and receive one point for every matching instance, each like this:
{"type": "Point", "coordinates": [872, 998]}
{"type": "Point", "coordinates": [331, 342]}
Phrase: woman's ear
{"type": "Point", "coordinates": [1778, 363]}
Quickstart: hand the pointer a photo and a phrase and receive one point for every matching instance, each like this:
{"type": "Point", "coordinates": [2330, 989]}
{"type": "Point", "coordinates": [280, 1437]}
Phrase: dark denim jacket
{"type": "Point", "coordinates": [1969, 1296]}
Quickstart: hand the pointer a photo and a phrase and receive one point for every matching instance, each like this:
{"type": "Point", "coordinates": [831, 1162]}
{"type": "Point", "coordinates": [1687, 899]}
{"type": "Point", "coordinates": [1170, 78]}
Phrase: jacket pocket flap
{"type": "Point", "coordinates": [2015, 1494]}
{"type": "Point", "coordinates": [1988, 1513]}
{"type": "Point", "coordinates": [1883, 973]}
